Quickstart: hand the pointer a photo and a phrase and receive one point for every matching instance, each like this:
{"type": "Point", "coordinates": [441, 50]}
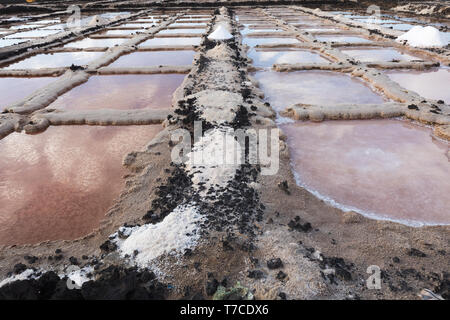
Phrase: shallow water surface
{"type": "Point", "coordinates": [90, 43]}
{"type": "Point", "coordinates": [266, 58]}
{"type": "Point", "coordinates": [179, 41]}
{"type": "Point", "coordinates": [10, 42]}
{"type": "Point", "coordinates": [432, 84]}
{"type": "Point", "coordinates": [155, 58]}
{"type": "Point", "coordinates": [59, 184]}
{"type": "Point", "coordinates": [283, 89]}
{"type": "Point", "coordinates": [55, 60]}
{"type": "Point", "coordinates": [253, 41]}
{"type": "Point", "coordinates": [387, 169]}
{"type": "Point", "coordinates": [122, 92]}
{"type": "Point", "coordinates": [183, 30]}
{"type": "Point", "coordinates": [341, 38]}
{"type": "Point", "coordinates": [33, 34]}
{"type": "Point", "coordinates": [16, 89]}
{"type": "Point", "coordinates": [378, 54]}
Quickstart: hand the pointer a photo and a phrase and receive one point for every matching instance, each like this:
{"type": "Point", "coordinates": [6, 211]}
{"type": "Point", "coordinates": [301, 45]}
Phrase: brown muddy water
{"type": "Point", "coordinates": [385, 169]}
{"type": "Point", "coordinates": [16, 89]}
{"type": "Point", "coordinates": [59, 184]}
{"type": "Point", "coordinates": [55, 60]}
{"type": "Point", "coordinates": [431, 84]}
{"type": "Point", "coordinates": [155, 58]}
{"type": "Point", "coordinates": [122, 92]}
{"type": "Point", "coordinates": [283, 89]}
{"type": "Point", "coordinates": [267, 58]}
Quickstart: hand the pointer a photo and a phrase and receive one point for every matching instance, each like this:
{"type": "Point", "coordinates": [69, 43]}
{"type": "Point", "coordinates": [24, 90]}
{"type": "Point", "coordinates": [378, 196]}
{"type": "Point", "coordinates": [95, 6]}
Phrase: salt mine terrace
{"type": "Point", "coordinates": [94, 108]}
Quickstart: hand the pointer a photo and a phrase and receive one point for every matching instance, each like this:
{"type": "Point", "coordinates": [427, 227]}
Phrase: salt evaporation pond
{"type": "Point", "coordinates": [378, 54]}
{"type": "Point", "coordinates": [122, 92]}
{"type": "Point", "coordinates": [341, 38]}
{"type": "Point", "coordinates": [91, 43]}
{"type": "Point", "coordinates": [283, 89]}
{"type": "Point", "coordinates": [155, 58]}
{"type": "Point", "coordinates": [177, 41]}
{"type": "Point", "coordinates": [267, 58]}
{"type": "Point", "coordinates": [59, 184]}
{"type": "Point", "coordinates": [55, 60]}
{"type": "Point", "coordinates": [252, 42]}
{"type": "Point", "coordinates": [431, 84]}
{"type": "Point", "coordinates": [16, 89]}
{"type": "Point", "coordinates": [385, 169]}
{"type": "Point", "coordinates": [190, 30]}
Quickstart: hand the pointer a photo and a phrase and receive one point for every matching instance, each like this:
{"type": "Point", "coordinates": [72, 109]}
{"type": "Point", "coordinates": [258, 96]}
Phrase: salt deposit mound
{"type": "Point", "coordinates": [424, 37]}
{"type": "Point", "coordinates": [97, 20]}
{"type": "Point", "coordinates": [221, 33]}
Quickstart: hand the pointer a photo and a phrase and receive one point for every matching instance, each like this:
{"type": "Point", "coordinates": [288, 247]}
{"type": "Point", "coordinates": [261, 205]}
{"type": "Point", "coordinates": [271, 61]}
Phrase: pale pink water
{"type": "Point", "coordinates": [16, 89]}
{"type": "Point", "coordinates": [122, 92]}
{"type": "Point", "coordinates": [389, 169]}
{"type": "Point", "coordinates": [59, 184]}
{"type": "Point", "coordinates": [432, 84]}
{"type": "Point", "coordinates": [283, 89]}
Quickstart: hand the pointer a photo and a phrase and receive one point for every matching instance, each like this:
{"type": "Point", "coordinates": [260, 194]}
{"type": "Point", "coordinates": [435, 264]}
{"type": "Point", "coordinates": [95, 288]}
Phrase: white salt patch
{"type": "Point", "coordinates": [27, 274]}
{"type": "Point", "coordinates": [171, 236]}
{"type": "Point", "coordinates": [97, 20]}
{"type": "Point", "coordinates": [221, 33]}
{"type": "Point", "coordinates": [214, 159]}
{"type": "Point", "coordinates": [79, 276]}
{"type": "Point", "coordinates": [424, 37]}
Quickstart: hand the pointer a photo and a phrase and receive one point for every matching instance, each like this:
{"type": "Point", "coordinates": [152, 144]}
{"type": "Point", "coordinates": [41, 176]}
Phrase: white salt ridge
{"type": "Point", "coordinates": [423, 37]}
{"type": "Point", "coordinates": [79, 276]}
{"type": "Point", "coordinates": [97, 20]}
{"type": "Point", "coordinates": [25, 275]}
{"type": "Point", "coordinates": [214, 159]}
{"type": "Point", "coordinates": [221, 33]}
{"type": "Point", "coordinates": [173, 235]}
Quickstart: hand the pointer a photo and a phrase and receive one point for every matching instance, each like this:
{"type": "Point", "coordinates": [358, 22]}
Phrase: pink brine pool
{"type": "Point", "coordinates": [59, 184]}
{"type": "Point", "coordinates": [384, 169]}
{"type": "Point", "coordinates": [432, 84]}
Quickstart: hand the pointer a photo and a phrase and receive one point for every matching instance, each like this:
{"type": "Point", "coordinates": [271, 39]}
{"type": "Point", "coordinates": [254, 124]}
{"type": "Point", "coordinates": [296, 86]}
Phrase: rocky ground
{"type": "Point", "coordinates": [258, 236]}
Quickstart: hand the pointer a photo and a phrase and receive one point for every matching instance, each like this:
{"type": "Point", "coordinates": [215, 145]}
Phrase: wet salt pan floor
{"type": "Point", "coordinates": [16, 89]}
{"type": "Point", "coordinates": [122, 92]}
{"type": "Point", "coordinates": [386, 169]}
{"type": "Point", "coordinates": [33, 34]}
{"type": "Point", "coordinates": [341, 38]}
{"type": "Point", "coordinates": [266, 58]}
{"type": "Point", "coordinates": [314, 87]}
{"type": "Point", "coordinates": [180, 41]}
{"type": "Point", "coordinates": [10, 42]}
{"type": "Point", "coordinates": [187, 30]}
{"type": "Point", "coordinates": [59, 184]}
{"type": "Point", "coordinates": [55, 60]}
{"type": "Point", "coordinates": [378, 54]}
{"type": "Point", "coordinates": [90, 43]}
{"type": "Point", "coordinates": [252, 42]}
{"type": "Point", "coordinates": [432, 84]}
{"type": "Point", "coordinates": [155, 58]}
